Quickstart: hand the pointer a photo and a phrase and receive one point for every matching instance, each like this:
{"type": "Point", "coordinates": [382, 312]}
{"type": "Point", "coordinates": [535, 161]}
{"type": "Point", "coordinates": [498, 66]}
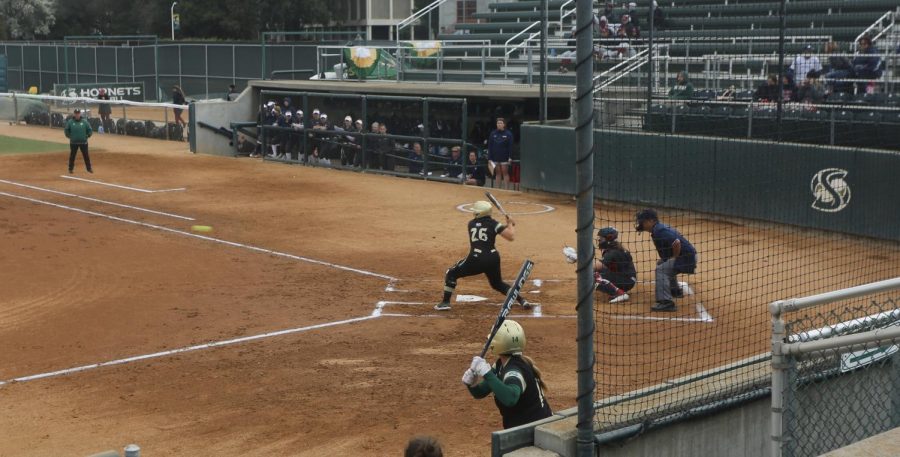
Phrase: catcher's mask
{"type": "Point", "coordinates": [606, 236]}
{"type": "Point", "coordinates": [644, 215]}
{"type": "Point", "coordinates": [509, 339]}
{"type": "Point", "coordinates": [481, 208]}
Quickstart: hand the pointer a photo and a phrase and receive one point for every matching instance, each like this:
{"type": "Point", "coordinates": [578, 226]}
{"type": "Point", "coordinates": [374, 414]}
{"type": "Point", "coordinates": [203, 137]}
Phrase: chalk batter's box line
{"type": "Point", "coordinates": [203, 237]}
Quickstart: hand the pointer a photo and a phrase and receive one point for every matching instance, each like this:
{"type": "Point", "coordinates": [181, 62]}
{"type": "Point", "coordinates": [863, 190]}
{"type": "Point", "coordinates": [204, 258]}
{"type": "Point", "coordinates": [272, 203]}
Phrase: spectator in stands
{"type": "Point", "coordinates": [178, 99]}
{"type": "Point", "coordinates": [659, 18]}
{"type": "Point", "coordinates": [423, 446]}
{"type": "Point", "coordinates": [627, 29]}
{"type": "Point", "coordinates": [609, 13]}
{"type": "Point", "coordinates": [805, 63]}
{"type": "Point", "coordinates": [455, 167]}
{"type": "Point", "coordinates": [416, 159]}
{"type": "Point", "coordinates": [475, 173]}
{"type": "Point", "coordinates": [105, 111]}
{"type": "Point", "coordinates": [604, 30]}
{"type": "Point", "coordinates": [768, 92]}
{"type": "Point", "coordinates": [839, 67]}
{"type": "Point", "coordinates": [287, 106]}
{"type": "Point", "coordinates": [683, 89]}
{"type": "Point", "coordinates": [231, 94]}
{"type": "Point", "coordinates": [811, 90]}
{"type": "Point", "coordinates": [788, 90]}
{"type": "Point", "coordinates": [632, 13]}
{"type": "Point", "coordinates": [866, 64]}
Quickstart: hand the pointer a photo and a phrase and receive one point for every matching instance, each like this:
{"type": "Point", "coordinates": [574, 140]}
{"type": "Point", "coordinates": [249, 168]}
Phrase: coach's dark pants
{"type": "Point", "coordinates": [73, 151]}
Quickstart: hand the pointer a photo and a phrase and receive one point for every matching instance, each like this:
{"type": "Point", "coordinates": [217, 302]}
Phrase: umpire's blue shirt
{"type": "Point", "coordinates": [663, 238]}
{"type": "Point", "coordinates": [500, 144]}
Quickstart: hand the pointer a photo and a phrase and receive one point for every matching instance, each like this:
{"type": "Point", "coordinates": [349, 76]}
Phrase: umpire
{"type": "Point", "coordinates": [676, 255]}
{"type": "Point", "coordinates": [78, 130]}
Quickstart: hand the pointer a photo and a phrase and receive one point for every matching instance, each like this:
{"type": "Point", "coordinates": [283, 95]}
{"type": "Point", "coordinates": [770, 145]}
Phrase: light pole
{"type": "Point", "coordinates": [172, 18]}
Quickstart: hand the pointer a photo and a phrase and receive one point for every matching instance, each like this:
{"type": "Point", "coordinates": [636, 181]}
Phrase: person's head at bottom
{"type": "Point", "coordinates": [77, 114]}
{"type": "Point", "coordinates": [423, 446]}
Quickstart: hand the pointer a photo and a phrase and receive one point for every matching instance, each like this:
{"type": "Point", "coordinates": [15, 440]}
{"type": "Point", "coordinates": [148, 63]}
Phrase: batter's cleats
{"type": "Point", "coordinates": [526, 304]}
{"type": "Point", "coordinates": [442, 306]}
{"type": "Point", "coordinates": [664, 305]}
{"type": "Point", "coordinates": [677, 292]}
{"type": "Point", "coordinates": [620, 298]}
{"type": "Point", "coordinates": [71, 171]}
{"type": "Point", "coordinates": [90, 171]}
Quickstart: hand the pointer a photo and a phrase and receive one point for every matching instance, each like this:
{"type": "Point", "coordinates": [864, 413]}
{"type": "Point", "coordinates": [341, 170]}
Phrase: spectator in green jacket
{"type": "Point", "coordinates": [683, 89]}
{"type": "Point", "coordinates": [78, 131]}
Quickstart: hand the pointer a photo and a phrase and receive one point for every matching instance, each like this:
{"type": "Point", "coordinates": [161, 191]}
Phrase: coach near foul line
{"type": "Point", "coordinates": [78, 130]}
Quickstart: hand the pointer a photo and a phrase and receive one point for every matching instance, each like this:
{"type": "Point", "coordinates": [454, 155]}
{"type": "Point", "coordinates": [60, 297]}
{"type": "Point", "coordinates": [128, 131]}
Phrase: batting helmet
{"type": "Point", "coordinates": [605, 236]}
{"type": "Point", "coordinates": [481, 208]}
{"type": "Point", "coordinates": [509, 339]}
{"type": "Point", "coordinates": [644, 215]}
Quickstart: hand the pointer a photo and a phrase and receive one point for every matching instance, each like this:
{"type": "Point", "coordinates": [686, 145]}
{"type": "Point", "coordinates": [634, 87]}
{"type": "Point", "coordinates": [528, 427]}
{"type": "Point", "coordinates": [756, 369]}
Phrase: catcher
{"type": "Point", "coordinates": [614, 271]}
{"type": "Point", "coordinates": [514, 379]}
{"type": "Point", "coordinates": [483, 256]}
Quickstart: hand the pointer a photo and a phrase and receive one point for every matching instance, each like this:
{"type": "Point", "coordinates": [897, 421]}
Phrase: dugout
{"type": "Point", "coordinates": [518, 103]}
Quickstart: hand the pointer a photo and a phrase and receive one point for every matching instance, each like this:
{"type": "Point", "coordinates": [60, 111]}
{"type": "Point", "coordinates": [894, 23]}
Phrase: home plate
{"type": "Point", "coordinates": [469, 298]}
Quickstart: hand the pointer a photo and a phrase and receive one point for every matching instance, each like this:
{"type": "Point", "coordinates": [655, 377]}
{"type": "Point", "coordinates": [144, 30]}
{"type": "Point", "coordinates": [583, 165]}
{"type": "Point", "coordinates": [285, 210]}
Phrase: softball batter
{"type": "Point", "coordinates": [483, 256]}
{"type": "Point", "coordinates": [514, 379]}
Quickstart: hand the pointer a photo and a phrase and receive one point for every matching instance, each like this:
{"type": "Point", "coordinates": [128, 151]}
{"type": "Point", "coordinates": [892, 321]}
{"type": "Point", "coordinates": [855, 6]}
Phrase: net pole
{"type": "Point", "coordinates": [543, 61]}
{"type": "Point", "coordinates": [650, 66]}
{"type": "Point", "coordinates": [780, 112]}
{"type": "Point", "coordinates": [584, 147]}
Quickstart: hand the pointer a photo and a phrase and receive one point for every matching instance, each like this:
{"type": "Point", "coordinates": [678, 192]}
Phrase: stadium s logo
{"type": "Point", "coordinates": [831, 191]}
{"type": "Point", "coordinates": [71, 92]}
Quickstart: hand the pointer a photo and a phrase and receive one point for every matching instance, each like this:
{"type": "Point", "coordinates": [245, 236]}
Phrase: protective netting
{"type": "Point", "coordinates": [149, 120]}
{"type": "Point", "coordinates": [764, 179]}
{"type": "Point", "coordinates": [832, 399]}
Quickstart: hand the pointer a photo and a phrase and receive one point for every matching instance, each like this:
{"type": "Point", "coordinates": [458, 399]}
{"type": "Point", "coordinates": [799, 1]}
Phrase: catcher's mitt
{"type": "Point", "coordinates": [570, 254]}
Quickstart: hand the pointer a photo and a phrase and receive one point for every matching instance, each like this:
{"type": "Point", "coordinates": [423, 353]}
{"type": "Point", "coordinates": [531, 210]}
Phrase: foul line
{"type": "Point", "coordinates": [198, 347]}
{"type": "Point", "coordinates": [13, 183]}
{"type": "Point", "coordinates": [146, 191]}
{"type": "Point", "coordinates": [203, 237]}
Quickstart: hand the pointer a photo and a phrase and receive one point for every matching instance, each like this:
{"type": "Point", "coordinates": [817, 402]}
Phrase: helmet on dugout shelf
{"type": "Point", "coordinates": [509, 339]}
{"type": "Point", "coordinates": [606, 236]}
{"type": "Point", "coordinates": [482, 208]}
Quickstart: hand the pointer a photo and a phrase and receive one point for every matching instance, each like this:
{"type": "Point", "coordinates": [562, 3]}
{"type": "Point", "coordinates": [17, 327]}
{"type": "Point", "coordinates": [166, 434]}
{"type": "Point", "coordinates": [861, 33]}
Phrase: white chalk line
{"type": "Point", "coordinates": [379, 309]}
{"type": "Point", "coordinates": [97, 200]}
{"type": "Point", "coordinates": [198, 347]}
{"type": "Point", "coordinates": [203, 237]}
{"type": "Point", "coordinates": [703, 316]}
{"type": "Point", "coordinates": [119, 186]}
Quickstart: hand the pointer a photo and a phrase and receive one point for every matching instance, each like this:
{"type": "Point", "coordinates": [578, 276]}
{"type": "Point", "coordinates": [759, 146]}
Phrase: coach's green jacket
{"type": "Point", "coordinates": [78, 131]}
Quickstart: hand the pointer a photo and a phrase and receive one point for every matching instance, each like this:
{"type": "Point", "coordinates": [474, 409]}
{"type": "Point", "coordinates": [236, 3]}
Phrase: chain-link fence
{"type": "Point", "coordinates": [733, 123]}
{"type": "Point", "coordinates": [836, 369]}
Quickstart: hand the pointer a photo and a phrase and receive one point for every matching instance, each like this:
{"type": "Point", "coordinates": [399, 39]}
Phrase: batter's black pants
{"type": "Point", "coordinates": [487, 263]}
{"type": "Point", "coordinates": [73, 151]}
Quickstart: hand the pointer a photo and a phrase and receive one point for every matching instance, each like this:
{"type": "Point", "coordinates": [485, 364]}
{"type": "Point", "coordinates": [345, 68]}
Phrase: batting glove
{"type": "Point", "coordinates": [480, 366]}
{"type": "Point", "coordinates": [468, 378]}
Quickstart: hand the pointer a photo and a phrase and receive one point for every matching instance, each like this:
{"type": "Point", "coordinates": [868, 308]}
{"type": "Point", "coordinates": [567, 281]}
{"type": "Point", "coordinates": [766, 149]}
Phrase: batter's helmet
{"type": "Point", "coordinates": [482, 208]}
{"type": "Point", "coordinates": [644, 215]}
{"type": "Point", "coordinates": [509, 339]}
{"type": "Point", "coordinates": [605, 236]}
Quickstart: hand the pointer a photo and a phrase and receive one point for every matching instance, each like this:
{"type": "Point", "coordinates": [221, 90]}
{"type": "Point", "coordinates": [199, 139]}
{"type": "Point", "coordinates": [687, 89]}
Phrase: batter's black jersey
{"type": "Point", "coordinates": [532, 405]}
{"type": "Point", "coordinates": [483, 233]}
{"type": "Point", "coordinates": [620, 265]}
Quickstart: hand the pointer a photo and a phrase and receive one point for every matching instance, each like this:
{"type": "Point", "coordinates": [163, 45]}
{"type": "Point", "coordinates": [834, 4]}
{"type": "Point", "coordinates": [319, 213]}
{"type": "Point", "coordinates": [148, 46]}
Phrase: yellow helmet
{"type": "Point", "coordinates": [509, 339]}
{"type": "Point", "coordinates": [482, 208]}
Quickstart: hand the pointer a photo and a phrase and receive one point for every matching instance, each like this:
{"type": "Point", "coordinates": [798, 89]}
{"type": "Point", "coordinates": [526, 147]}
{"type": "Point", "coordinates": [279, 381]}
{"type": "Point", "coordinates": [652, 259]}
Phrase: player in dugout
{"type": "Point", "coordinates": [676, 255]}
{"type": "Point", "coordinates": [514, 379]}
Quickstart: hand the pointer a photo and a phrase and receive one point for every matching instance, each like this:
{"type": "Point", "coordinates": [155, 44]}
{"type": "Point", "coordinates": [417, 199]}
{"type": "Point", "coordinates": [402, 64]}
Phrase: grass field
{"type": "Point", "coordinates": [10, 145]}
